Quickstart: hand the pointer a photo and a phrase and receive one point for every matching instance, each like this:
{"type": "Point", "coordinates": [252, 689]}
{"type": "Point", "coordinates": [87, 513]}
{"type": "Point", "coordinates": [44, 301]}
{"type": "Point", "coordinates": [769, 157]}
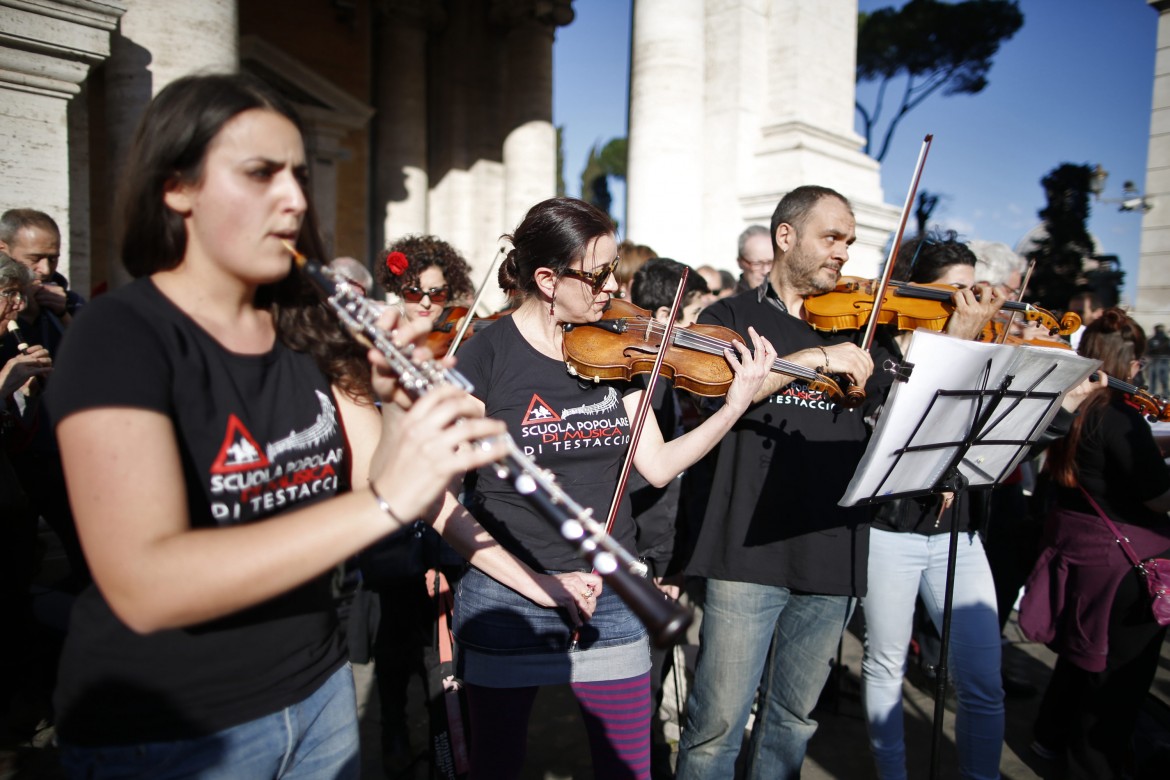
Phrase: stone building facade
{"type": "Point", "coordinates": [1153, 283]}
{"type": "Point", "coordinates": [436, 115]}
{"type": "Point", "coordinates": [421, 115]}
{"type": "Point", "coordinates": [732, 104]}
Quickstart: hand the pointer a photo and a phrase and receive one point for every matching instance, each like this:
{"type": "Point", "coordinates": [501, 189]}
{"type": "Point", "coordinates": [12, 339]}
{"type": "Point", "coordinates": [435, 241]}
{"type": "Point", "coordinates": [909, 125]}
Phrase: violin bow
{"type": "Point", "coordinates": [887, 272]}
{"type": "Point", "coordinates": [1019, 299]}
{"type": "Point", "coordinates": [645, 404]}
{"type": "Point", "coordinates": [463, 326]}
{"type": "Point", "coordinates": [640, 418]}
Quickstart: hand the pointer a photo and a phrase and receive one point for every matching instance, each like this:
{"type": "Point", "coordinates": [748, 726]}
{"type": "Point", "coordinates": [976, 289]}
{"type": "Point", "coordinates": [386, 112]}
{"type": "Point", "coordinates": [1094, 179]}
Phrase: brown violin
{"type": "Point", "coordinates": [908, 306]}
{"type": "Point", "coordinates": [993, 332]}
{"type": "Point", "coordinates": [446, 327]}
{"type": "Point", "coordinates": [626, 340]}
{"type": "Point", "coordinates": [1154, 408]}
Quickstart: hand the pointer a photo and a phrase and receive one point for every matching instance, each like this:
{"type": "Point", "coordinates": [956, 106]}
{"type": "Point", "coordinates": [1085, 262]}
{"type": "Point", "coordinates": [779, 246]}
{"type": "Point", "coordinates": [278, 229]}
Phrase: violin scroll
{"type": "Point", "coordinates": [850, 398]}
{"type": "Point", "coordinates": [1069, 322]}
{"type": "Point", "coordinates": [854, 397]}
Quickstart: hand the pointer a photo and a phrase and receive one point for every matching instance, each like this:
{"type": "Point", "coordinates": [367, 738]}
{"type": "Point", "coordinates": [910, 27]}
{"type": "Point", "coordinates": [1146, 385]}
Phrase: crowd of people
{"type": "Point", "coordinates": [213, 449]}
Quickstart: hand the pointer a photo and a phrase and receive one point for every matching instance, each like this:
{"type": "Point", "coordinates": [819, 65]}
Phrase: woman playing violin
{"type": "Point", "coordinates": [562, 261]}
{"type": "Point", "coordinates": [908, 557]}
{"type": "Point", "coordinates": [1085, 599]}
{"type": "Point", "coordinates": [427, 275]}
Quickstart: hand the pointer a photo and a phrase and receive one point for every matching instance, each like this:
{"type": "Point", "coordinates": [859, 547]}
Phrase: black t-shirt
{"type": "Point", "coordinates": [576, 429]}
{"type": "Point", "coordinates": [257, 434]}
{"type": "Point", "coordinates": [1119, 464]}
{"type": "Point", "coordinates": [772, 517]}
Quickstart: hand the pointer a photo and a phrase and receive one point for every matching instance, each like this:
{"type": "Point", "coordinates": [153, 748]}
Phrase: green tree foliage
{"type": "Point", "coordinates": [935, 46]}
{"type": "Point", "coordinates": [1060, 255]}
{"type": "Point", "coordinates": [1106, 279]}
{"type": "Point", "coordinates": [609, 161]}
{"type": "Point", "coordinates": [927, 203]}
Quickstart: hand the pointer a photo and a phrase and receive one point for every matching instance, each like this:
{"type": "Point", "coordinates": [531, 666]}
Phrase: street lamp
{"type": "Point", "coordinates": [1130, 200]}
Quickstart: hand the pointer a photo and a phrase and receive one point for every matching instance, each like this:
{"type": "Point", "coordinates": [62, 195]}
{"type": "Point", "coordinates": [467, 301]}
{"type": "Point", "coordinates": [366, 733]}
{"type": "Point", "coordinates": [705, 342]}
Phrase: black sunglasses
{"type": "Point", "coordinates": [415, 294]}
{"type": "Point", "coordinates": [595, 279]}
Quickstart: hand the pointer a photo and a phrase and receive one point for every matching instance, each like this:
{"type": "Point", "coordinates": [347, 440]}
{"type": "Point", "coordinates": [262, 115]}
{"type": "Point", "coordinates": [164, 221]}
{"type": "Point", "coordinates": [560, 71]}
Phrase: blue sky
{"type": "Point", "coordinates": [1073, 85]}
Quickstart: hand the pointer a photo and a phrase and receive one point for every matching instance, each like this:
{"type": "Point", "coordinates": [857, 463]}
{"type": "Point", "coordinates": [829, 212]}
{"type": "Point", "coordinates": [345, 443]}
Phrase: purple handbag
{"type": "Point", "coordinates": [1156, 571]}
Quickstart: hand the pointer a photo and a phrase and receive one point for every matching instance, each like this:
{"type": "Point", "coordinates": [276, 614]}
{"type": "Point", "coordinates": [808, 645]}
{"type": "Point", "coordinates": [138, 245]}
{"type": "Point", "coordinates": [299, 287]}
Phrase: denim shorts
{"type": "Point", "coordinates": [315, 738]}
{"type": "Point", "coordinates": [506, 641]}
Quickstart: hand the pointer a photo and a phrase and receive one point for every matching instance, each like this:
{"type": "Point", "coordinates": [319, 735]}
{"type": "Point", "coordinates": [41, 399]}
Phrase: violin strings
{"type": "Point", "coordinates": [709, 344]}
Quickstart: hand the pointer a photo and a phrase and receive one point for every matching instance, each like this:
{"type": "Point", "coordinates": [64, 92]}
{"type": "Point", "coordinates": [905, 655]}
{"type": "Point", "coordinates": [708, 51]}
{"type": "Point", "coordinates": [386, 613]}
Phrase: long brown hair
{"type": "Point", "coordinates": [170, 146]}
{"type": "Point", "coordinates": [1116, 340]}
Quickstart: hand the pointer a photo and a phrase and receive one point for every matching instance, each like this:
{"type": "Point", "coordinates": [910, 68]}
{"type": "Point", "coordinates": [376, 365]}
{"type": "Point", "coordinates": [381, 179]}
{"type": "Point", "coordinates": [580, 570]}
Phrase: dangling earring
{"type": "Point", "coordinates": [552, 306]}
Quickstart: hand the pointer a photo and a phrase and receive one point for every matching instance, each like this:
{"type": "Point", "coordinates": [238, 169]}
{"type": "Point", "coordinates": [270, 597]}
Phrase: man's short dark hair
{"type": "Point", "coordinates": [923, 259]}
{"type": "Point", "coordinates": [794, 208]}
{"type": "Point", "coordinates": [15, 220]}
{"type": "Point", "coordinates": [656, 282]}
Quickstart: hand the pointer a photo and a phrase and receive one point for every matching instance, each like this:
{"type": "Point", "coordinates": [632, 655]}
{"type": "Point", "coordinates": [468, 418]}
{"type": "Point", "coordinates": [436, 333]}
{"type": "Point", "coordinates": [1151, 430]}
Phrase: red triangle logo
{"type": "Point", "coordinates": [239, 451]}
{"type": "Point", "coordinates": [539, 412]}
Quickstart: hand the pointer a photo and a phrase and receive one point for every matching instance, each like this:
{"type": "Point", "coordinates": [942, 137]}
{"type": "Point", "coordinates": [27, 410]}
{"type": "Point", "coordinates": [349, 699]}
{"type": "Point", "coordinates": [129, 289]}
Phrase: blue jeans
{"type": "Point", "coordinates": [901, 567]}
{"type": "Point", "coordinates": [765, 638]}
{"type": "Point", "coordinates": [317, 738]}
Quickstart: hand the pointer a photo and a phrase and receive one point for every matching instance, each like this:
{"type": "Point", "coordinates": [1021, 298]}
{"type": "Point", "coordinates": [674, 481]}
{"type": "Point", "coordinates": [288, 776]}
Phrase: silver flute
{"type": "Point", "coordinates": [664, 618]}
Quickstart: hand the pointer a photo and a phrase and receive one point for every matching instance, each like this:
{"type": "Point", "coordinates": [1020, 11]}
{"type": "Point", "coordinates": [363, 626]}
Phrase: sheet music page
{"type": "Point", "coordinates": [916, 415]}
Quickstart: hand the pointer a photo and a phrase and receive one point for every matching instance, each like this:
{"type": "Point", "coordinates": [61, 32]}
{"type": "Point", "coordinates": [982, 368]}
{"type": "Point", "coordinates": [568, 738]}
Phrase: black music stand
{"type": "Point", "coordinates": [961, 414]}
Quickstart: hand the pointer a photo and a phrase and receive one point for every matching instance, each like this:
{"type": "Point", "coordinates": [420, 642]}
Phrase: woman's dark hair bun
{"type": "Point", "coordinates": [508, 276]}
{"type": "Point", "coordinates": [1113, 320]}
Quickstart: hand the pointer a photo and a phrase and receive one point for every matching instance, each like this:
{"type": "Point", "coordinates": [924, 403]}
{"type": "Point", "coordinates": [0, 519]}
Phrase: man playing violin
{"type": "Point", "coordinates": [784, 564]}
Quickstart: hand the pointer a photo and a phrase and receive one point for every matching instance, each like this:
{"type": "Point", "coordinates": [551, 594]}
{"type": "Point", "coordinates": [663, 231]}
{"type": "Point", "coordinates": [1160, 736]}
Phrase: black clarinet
{"type": "Point", "coordinates": [665, 619]}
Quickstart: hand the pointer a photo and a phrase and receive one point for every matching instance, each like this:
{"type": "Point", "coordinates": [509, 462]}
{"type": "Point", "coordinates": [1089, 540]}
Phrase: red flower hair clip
{"type": "Point", "coordinates": [397, 263]}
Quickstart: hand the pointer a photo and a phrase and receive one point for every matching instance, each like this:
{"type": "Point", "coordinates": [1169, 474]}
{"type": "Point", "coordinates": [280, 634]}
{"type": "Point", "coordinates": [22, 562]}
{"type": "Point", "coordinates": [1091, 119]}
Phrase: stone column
{"type": "Point", "coordinates": [807, 134]}
{"type": "Point", "coordinates": [46, 52]}
{"type": "Point", "coordinates": [812, 52]}
{"type": "Point", "coordinates": [401, 180]}
{"type": "Point", "coordinates": [158, 42]}
{"type": "Point", "coordinates": [78, 259]}
{"type": "Point", "coordinates": [530, 143]}
{"type": "Point", "coordinates": [1153, 282]}
{"type": "Point", "coordinates": [665, 171]}
{"type": "Point", "coordinates": [736, 67]}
